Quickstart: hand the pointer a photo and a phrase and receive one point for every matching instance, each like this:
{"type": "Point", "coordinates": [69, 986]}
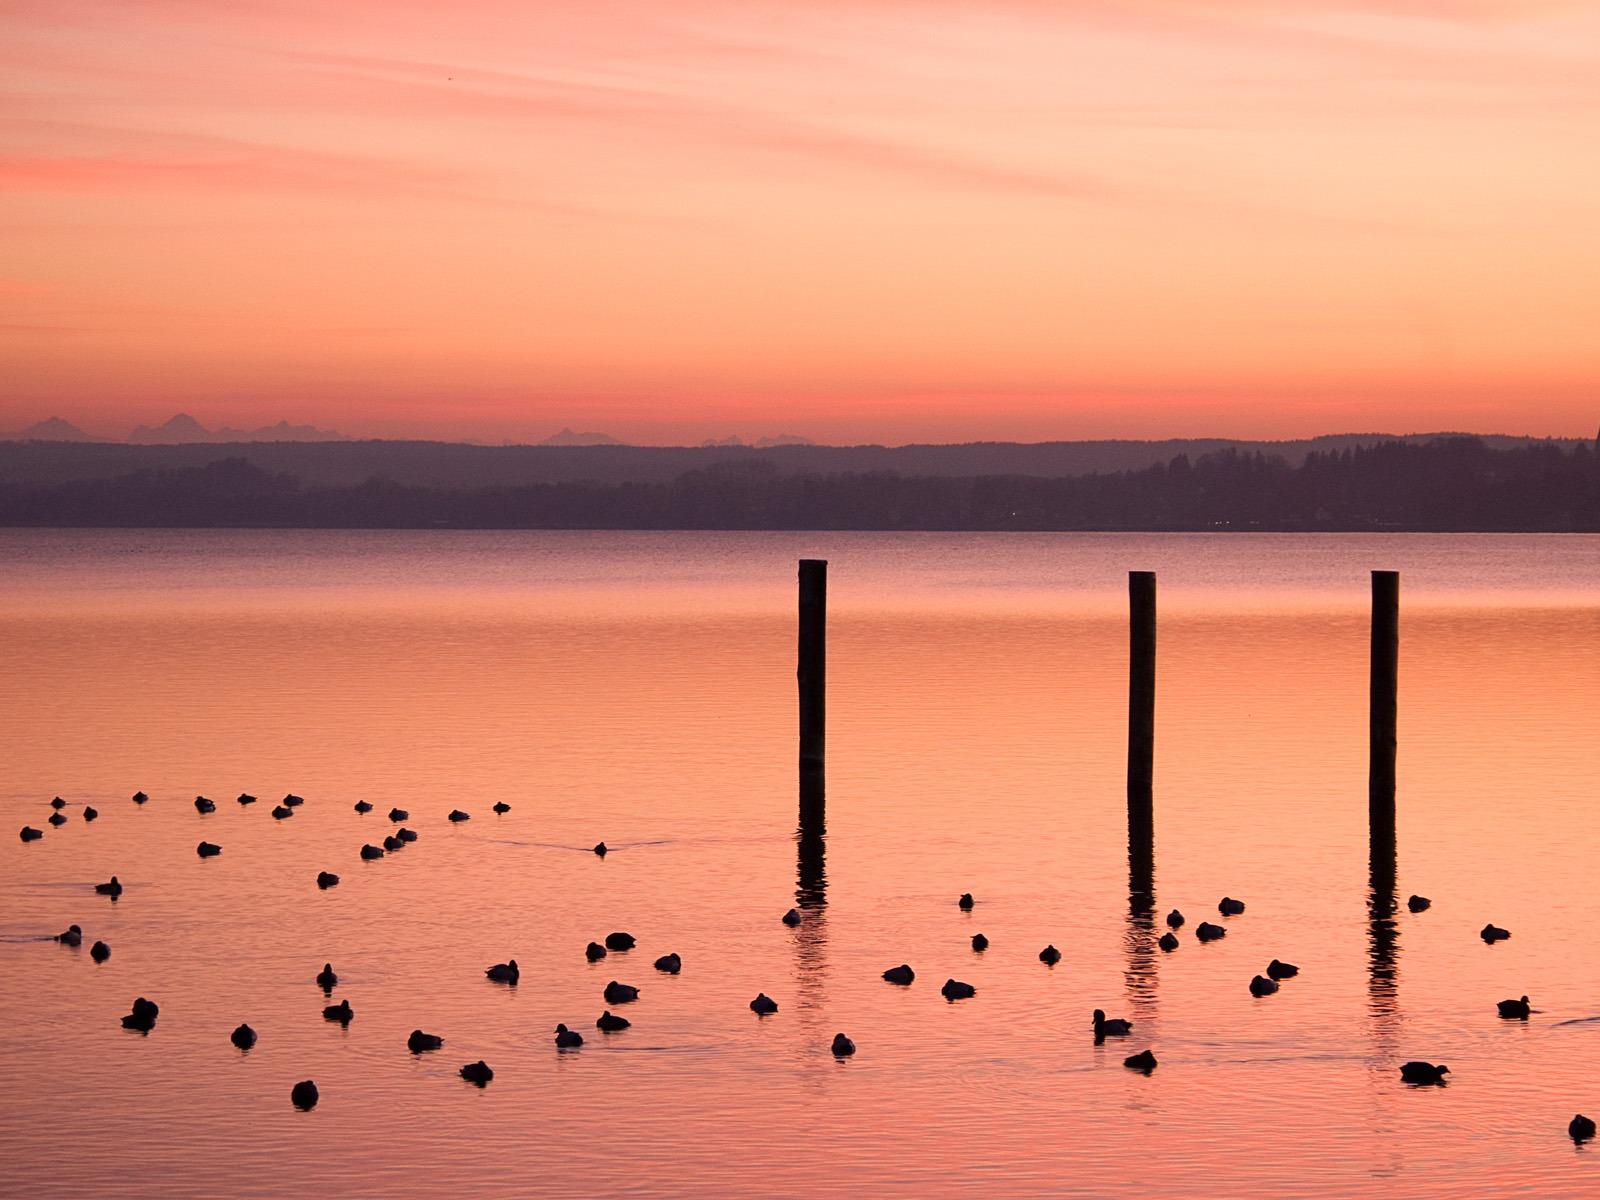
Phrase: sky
{"type": "Point", "coordinates": [850, 220]}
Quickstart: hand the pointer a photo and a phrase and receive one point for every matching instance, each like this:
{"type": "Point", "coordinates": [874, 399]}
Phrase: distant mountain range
{"type": "Point", "coordinates": [181, 430]}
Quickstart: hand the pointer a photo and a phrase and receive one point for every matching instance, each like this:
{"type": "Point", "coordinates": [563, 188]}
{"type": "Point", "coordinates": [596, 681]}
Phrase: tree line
{"type": "Point", "coordinates": [1456, 483]}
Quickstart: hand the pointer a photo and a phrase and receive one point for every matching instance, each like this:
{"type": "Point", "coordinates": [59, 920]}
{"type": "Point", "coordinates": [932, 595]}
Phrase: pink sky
{"type": "Point", "coordinates": [867, 221]}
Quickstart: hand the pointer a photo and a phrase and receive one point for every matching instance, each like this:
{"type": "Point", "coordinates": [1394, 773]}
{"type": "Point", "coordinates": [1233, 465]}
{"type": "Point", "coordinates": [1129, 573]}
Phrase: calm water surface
{"type": "Point", "coordinates": [639, 688]}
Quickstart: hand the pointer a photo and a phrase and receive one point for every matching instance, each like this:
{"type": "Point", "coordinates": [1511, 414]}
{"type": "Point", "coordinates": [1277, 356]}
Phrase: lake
{"type": "Point", "coordinates": [639, 689]}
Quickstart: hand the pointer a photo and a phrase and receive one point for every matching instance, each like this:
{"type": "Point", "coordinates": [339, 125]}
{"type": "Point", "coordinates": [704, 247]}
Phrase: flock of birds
{"type": "Point", "coordinates": [304, 1095]}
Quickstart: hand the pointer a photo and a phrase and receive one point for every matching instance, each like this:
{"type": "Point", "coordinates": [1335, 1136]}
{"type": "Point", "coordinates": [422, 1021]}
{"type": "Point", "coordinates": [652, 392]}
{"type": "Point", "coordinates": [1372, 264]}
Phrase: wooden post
{"type": "Point", "coordinates": [1141, 707]}
{"type": "Point", "coordinates": [1384, 705]}
{"type": "Point", "coordinates": [812, 672]}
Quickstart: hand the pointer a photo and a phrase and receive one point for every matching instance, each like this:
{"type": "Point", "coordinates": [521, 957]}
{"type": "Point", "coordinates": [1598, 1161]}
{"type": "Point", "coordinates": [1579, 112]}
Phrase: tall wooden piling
{"type": "Point", "coordinates": [1141, 711]}
{"type": "Point", "coordinates": [1384, 704]}
{"type": "Point", "coordinates": [812, 672]}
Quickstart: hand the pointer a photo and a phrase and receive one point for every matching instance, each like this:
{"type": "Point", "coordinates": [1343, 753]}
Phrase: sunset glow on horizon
{"type": "Point", "coordinates": [876, 221]}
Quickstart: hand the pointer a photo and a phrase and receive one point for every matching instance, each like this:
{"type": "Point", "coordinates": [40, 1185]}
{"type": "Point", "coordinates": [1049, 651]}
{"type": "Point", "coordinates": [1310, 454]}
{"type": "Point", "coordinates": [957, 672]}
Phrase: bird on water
{"type": "Point", "coordinates": [1418, 903]}
{"type": "Point", "coordinates": [792, 917]}
{"type": "Point", "coordinates": [620, 993]}
{"type": "Point", "coordinates": [763, 1005]}
{"type": "Point", "coordinates": [500, 806]}
{"type": "Point", "coordinates": [608, 1022]}
{"type": "Point", "coordinates": [567, 1039]}
{"type": "Point", "coordinates": [457, 816]}
{"type": "Point", "coordinates": [326, 880]}
{"type": "Point", "coordinates": [594, 951]}
{"type": "Point", "coordinates": [842, 1046]}
{"type": "Point", "coordinates": [619, 941]}
{"type": "Point", "coordinates": [1142, 1061]}
{"type": "Point", "coordinates": [1493, 933]}
{"type": "Point", "coordinates": [903, 974]}
{"type": "Point", "coordinates": [304, 1095]}
{"type": "Point", "coordinates": [420, 1043]}
{"type": "Point", "coordinates": [1281, 970]}
{"type": "Point", "coordinates": [1260, 985]}
{"type": "Point", "coordinates": [90, 812]}
{"type": "Point", "coordinates": [1229, 907]}
{"type": "Point", "coordinates": [1207, 932]}
{"type": "Point", "coordinates": [669, 963]}
{"type": "Point", "coordinates": [965, 901]}
{"type": "Point", "coordinates": [30, 834]}
{"type": "Point", "coordinates": [1113, 1027]}
{"type": "Point", "coordinates": [243, 1037]}
{"type": "Point", "coordinates": [203, 805]}
{"type": "Point", "coordinates": [1580, 1128]}
{"type": "Point", "coordinates": [99, 952]}
{"type": "Point", "coordinates": [326, 979]}
{"type": "Point", "coordinates": [1050, 956]}
{"type": "Point", "coordinates": [57, 820]}
{"type": "Point", "coordinates": [362, 806]}
{"type": "Point", "coordinates": [113, 888]}
{"type": "Point", "coordinates": [58, 803]}
{"type": "Point", "coordinates": [954, 989]}
{"type": "Point", "coordinates": [477, 1072]}
{"type": "Point", "coordinates": [340, 1012]}
{"type": "Point", "coordinates": [71, 936]}
{"type": "Point", "coordinates": [506, 972]}
{"type": "Point", "coordinates": [1174, 919]}
{"type": "Point", "coordinates": [980, 943]}
{"type": "Point", "coordinates": [1168, 941]}
{"type": "Point", "coordinates": [1423, 1072]}
{"type": "Point", "coordinates": [1510, 1010]}
{"type": "Point", "coordinates": [143, 1016]}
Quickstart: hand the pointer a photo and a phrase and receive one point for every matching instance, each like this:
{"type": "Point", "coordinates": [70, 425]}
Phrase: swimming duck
{"type": "Point", "coordinates": [607, 1023]}
{"type": "Point", "coordinates": [670, 963]}
{"type": "Point", "coordinates": [980, 943]}
{"type": "Point", "coordinates": [293, 801]}
{"type": "Point", "coordinates": [567, 1039]}
{"type": "Point", "coordinates": [620, 993]}
{"type": "Point", "coordinates": [392, 843]}
{"type": "Point", "coordinates": [1175, 919]}
{"type": "Point", "coordinates": [600, 849]}
{"type": "Point", "coordinates": [370, 852]}
{"type": "Point", "coordinates": [792, 917]}
{"type": "Point", "coordinates": [340, 1012]}
{"type": "Point", "coordinates": [965, 901]}
{"type": "Point", "coordinates": [1050, 956]}
{"type": "Point", "coordinates": [954, 989]}
{"type": "Point", "coordinates": [457, 815]}
{"type": "Point", "coordinates": [1260, 985]}
{"type": "Point", "coordinates": [140, 797]}
{"type": "Point", "coordinates": [421, 1043]}
{"type": "Point", "coordinates": [1230, 907]}
{"type": "Point", "coordinates": [842, 1046]}
{"type": "Point", "coordinates": [143, 1016]}
{"type": "Point", "coordinates": [506, 972]}
{"type": "Point", "coordinates": [326, 979]}
{"type": "Point", "coordinates": [246, 798]}
{"type": "Point", "coordinates": [1580, 1128]}
{"type": "Point", "coordinates": [501, 806]}
{"type": "Point", "coordinates": [398, 815]}
{"type": "Point", "coordinates": [1207, 932]}
{"type": "Point", "coordinates": [1511, 1010]}
{"type": "Point", "coordinates": [1281, 970]}
{"type": "Point", "coordinates": [109, 889]}
{"type": "Point", "coordinates": [619, 941]}
{"type": "Point", "coordinates": [362, 806]}
{"type": "Point", "coordinates": [1168, 941]}
{"type": "Point", "coordinates": [304, 1095]}
{"type": "Point", "coordinates": [280, 813]}
{"type": "Point", "coordinates": [326, 880]}
{"type": "Point", "coordinates": [1493, 934]}
{"type": "Point", "coordinates": [1418, 903]}
{"type": "Point", "coordinates": [406, 835]}
{"type": "Point", "coordinates": [203, 805]}
{"type": "Point", "coordinates": [1423, 1072]}
{"type": "Point", "coordinates": [58, 803]}
{"type": "Point", "coordinates": [477, 1072]}
{"type": "Point", "coordinates": [30, 834]}
{"type": "Point", "coordinates": [763, 1004]}
{"type": "Point", "coordinates": [73, 936]}
{"type": "Point", "coordinates": [90, 812]}
{"type": "Point", "coordinates": [99, 952]}
{"type": "Point", "coordinates": [1112, 1027]}
{"type": "Point", "coordinates": [56, 819]}
{"type": "Point", "coordinates": [902, 974]}
{"type": "Point", "coordinates": [243, 1037]}
{"type": "Point", "coordinates": [594, 951]}
{"type": "Point", "coordinates": [208, 849]}
{"type": "Point", "coordinates": [1142, 1061]}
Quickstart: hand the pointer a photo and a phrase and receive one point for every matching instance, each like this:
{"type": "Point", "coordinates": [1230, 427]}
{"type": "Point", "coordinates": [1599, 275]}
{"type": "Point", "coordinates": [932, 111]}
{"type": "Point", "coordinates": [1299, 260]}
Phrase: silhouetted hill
{"type": "Point", "coordinates": [1448, 484]}
{"type": "Point", "coordinates": [53, 429]}
{"type": "Point", "coordinates": [185, 430]}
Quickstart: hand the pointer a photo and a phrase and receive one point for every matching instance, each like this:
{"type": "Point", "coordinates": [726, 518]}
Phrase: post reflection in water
{"type": "Point", "coordinates": [1383, 933]}
{"type": "Point", "coordinates": [1139, 936]}
{"type": "Point", "coordinates": [811, 892]}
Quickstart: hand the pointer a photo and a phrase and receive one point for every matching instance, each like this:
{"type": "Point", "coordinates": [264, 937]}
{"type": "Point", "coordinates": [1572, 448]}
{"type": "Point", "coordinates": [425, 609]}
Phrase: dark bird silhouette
{"type": "Point", "coordinates": [1281, 970]}
{"type": "Point", "coordinates": [1168, 941]}
{"type": "Point", "coordinates": [457, 815]}
{"type": "Point", "coordinates": [568, 1039]}
{"type": "Point", "coordinates": [500, 806]}
{"type": "Point", "coordinates": [340, 1012]}
{"type": "Point", "coordinates": [204, 805]}
{"type": "Point", "coordinates": [619, 941]}
{"type": "Point", "coordinates": [362, 806]}
{"type": "Point", "coordinates": [842, 1046]}
{"type": "Point", "coordinates": [90, 812]}
{"type": "Point", "coordinates": [58, 803]}
{"type": "Point", "coordinates": [1229, 907]}
{"type": "Point", "coordinates": [208, 849]}
{"type": "Point", "coordinates": [1207, 932]}
{"type": "Point", "coordinates": [902, 974]}
{"type": "Point", "coordinates": [421, 1043]}
{"type": "Point", "coordinates": [1418, 903]}
{"type": "Point", "coordinates": [1580, 1128]}
{"type": "Point", "coordinates": [243, 1037]}
{"type": "Point", "coordinates": [1113, 1027]}
{"type": "Point", "coordinates": [620, 993]}
{"type": "Point", "coordinates": [763, 1004]}
{"type": "Point", "coordinates": [954, 989]}
{"type": "Point", "coordinates": [607, 1023]}
{"type": "Point", "coordinates": [478, 1073]}
{"type": "Point", "coordinates": [30, 834]}
{"type": "Point", "coordinates": [966, 901]}
{"type": "Point", "coordinates": [1423, 1072]}
{"type": "Point", "coordinates": [594, 951]}
{"type": "Point", "coordinates": [143, 1016]}
{"type": "Point", "coordinates": [56, 819]}
{"type": "Point", "coordinates": [1260, 985]}
{"type": "Point", "coordinates": [670, 963]}
{"type": "Point", "coordinates": [326, 880]}
{"type": "Point", "coordinates": [1493, 934]}
{"type": "Point", "coordinates": [792, 917]}
{"type": "Point", "coordinates": [1510, 1010]}
{"type": "Point", "coordinates": [1174, 919]}
{"type": "Point", "coordinates": [281, 813]}
{"type": "Point", "coordinates": [246, 798]}
{"type": "Point", "coordinates": [369, 851]}
{"type": "Point", "coordinates": [397, 815]}
{"type": "Point", "coordinates": [506, 972]}
{"type": "Point", "coordinates": [72, 936]}
{"type": "Point", "coordinates": [293, 801]}
{"type": "Point", "coordinates": [1142, 1061]}
{"type": "Point", "coordinates": [600, 849]}
{"type": "Point", "coordinates": [113, 888]}
{"type": "Point", "coordinates": [406, 835]}
{"type": "Point", "coordinates": [979, 942]}
{"type": "Point", "coordinates": [392, 843]}
{"type": "Point", "coordinates": [140, 797]}
{"type": "Point", "coordinates": [326, 979]}
{"type": "Point", "coordinates": [304, 1095]}
{"type": "Point", "coordinates": [1050, 956]}
{"type": "Point", "coordinates": [99, 952]}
